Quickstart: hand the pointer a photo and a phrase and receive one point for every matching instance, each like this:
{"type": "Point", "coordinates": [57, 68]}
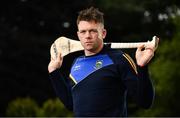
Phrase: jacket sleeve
{"type": "Point", "coordinates": [62, 88]}
{"type": "Point", "coordinates": [146, 91]}
{"type": "Point", "coordinates": [138, 83]}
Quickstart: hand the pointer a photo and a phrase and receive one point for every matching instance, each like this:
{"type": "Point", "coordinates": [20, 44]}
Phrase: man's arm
{"type": "Point", "coordinates": [145, 86]}
{"type": "Point", "coordinates": [62, 88]}
{"type": "Point", "coordinates": [146, 91]}
{"type": "Point", "coordinates": [138, 83]}
{"type": "Point", "coordinates": [60, 84]}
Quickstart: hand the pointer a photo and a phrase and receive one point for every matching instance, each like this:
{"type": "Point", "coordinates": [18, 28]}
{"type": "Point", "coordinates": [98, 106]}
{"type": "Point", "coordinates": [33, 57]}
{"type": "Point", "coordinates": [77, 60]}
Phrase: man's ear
{"type": "Point", "coordinates": [78, 34]}
{"type": "Point", "coordinates": [104, 33]}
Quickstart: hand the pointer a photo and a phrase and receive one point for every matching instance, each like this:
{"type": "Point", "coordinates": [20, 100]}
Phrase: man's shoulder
{"type": "Point", "coordinates": [115, 52]}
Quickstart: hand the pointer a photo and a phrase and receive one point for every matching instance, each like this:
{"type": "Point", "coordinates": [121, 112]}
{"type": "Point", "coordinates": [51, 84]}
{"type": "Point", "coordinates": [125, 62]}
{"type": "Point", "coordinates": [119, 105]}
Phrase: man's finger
{"type": "Point", "coordinates": [140, 47]}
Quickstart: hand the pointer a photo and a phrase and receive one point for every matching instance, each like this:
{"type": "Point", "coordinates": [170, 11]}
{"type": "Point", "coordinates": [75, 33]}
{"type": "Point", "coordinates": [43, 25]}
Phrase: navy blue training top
{"type": "Point", "coordinates": [98, 85]}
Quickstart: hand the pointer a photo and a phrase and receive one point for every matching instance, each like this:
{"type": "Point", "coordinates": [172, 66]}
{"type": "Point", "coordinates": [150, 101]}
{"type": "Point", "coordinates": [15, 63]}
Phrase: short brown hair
{"type": "Point", "coordinates": [91, 14]}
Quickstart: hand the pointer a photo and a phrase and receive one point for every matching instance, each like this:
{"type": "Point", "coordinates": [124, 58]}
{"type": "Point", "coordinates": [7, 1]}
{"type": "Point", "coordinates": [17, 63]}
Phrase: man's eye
{"type": "Point", "coordinates": [93, 31]}
{"type": "Point", "coordinates": [82, 32]}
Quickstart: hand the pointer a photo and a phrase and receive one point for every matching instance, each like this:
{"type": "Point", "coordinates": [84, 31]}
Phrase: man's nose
{"type": "Point", "coordinates": [88, 34]}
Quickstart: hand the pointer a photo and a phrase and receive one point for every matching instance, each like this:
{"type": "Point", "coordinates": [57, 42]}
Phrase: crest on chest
{"type": "Point", "coordinates": [84, 66]}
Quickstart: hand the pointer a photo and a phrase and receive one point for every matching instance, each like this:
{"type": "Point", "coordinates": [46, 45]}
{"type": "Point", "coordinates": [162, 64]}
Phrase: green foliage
{"type": "Point", "coordinates": [176, 21]}
{"type": "Point", "coordinates": [27, 107]}
{"type": "Point", "coordinates": [22, 107]}
{"type": "Point", "coordinates": [166, 76]}
{"type": "Point", "coordinates": [54, 108]}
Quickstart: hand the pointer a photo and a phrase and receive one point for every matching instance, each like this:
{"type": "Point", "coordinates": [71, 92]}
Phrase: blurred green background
{"type": "Point", "coordinates": [29, 27]}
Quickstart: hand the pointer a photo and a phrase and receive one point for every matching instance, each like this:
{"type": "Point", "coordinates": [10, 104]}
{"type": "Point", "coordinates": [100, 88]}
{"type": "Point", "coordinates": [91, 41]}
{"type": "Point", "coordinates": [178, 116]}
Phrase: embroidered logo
{"type": "Point", "coordinates": [77, 67]}
{"type": "Point", "coordinates": [99, 64]}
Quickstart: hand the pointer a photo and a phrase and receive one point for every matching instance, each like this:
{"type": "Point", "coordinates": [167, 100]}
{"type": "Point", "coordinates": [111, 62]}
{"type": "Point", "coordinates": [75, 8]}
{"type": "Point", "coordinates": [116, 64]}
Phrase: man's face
{"type": "Point", "coordinates": [91, 35]}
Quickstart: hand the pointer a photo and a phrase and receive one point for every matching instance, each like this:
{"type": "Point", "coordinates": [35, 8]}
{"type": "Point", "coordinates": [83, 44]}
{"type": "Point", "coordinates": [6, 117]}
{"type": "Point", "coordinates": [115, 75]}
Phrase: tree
{"type": "Point", "coordinates": [22, 107]}
{"type": "Point", "coordinates": [166, 75]}
{"type": "Point", "coordinates": [138, 19]}
{"type": "Point", "coordinates": [54, 108]}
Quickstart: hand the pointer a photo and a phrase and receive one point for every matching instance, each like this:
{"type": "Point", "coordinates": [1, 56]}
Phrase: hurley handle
{"type": "Point", "coordinates": [65, 45]}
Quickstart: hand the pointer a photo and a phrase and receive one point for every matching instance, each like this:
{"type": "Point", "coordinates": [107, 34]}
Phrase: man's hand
{"type": "Point", "coordinates": [145, 53]}
{"type": "Point", "coordinates": [55, 63]}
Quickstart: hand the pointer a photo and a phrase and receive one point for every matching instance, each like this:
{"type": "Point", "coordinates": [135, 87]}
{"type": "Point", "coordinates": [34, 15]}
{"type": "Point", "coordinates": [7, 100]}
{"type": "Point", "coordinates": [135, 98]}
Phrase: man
{"type": "Point", "coordinates": [100, 80]}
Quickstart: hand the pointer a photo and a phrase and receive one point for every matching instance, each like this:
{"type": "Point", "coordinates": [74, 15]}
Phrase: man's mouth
{"type": "Point", "coordinates": [88, 43]}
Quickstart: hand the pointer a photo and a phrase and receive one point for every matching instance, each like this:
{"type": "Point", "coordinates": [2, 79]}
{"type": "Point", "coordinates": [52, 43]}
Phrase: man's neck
{"type": "Point", "coordinates": [91, 53]}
